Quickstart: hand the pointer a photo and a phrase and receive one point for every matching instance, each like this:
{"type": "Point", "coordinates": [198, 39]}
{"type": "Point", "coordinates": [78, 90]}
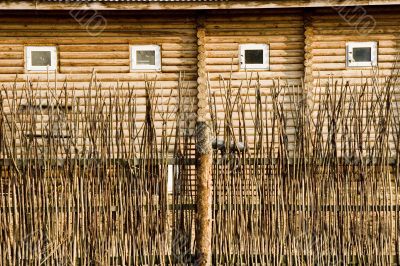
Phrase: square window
{"type": "Point", "coordinates": [145, 57]}
{"type": "Point", "coordinates": [41, 58]}
{"type": "Point", "coordinates": [254, 56]}
{"type": "Point", "coordinates": [49, 120]}
{"type": "Point", "coordinates": [362, 54]}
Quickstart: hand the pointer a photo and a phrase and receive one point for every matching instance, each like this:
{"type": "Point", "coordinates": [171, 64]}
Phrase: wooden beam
{"type": "Point", "coordinates": [241, 4]}
{"type": "Point", "coordinates": [308, 55]}
{"type": "Point", "coordinates": [203, 157]}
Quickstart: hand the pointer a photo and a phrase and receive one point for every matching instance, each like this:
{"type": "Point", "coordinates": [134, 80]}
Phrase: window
{"type": "Point", "coordinates": [362, 54]}
{"type": "Point", "coordinates": [47, 120]}
{"type": "Point", "coordinates": [145, 57]}
{"type": "Point", "coordinates": [254, 56]}
{"type": "Point", "coordinates": [170, 181]}
{"type": "Point", "coordinates": [49, 129]}
{"type": "Point", "coordinates": [41, 58]}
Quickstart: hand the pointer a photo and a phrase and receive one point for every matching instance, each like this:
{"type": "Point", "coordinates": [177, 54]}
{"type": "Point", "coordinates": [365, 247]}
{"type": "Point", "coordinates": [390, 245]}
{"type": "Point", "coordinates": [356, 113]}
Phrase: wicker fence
{"type": "Point", "coordinates": [92, 181]}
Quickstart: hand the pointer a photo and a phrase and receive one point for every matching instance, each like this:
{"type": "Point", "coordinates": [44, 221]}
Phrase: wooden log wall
{"type": "Point", "coordinates": [282, 30]}
{"type": "Point", "coordinates": [332, 30]}
{"type": "Point", "coordinates": [82, 53]}
{"type": "Point", "coordinates": [304, 44]}
{"type": "Point", "coordinates": [329, 30]}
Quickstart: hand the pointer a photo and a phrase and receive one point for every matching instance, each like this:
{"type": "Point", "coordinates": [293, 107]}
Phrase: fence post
{"type": "Point", "coordinates": [308, 56]}
{"type": "Point", "coordinates": [203, 158]}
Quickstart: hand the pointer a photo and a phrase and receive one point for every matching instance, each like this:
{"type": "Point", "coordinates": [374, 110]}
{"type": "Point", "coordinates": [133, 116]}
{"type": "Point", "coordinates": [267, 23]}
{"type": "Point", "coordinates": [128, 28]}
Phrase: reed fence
{"type": "Point", "coordinates": [89, 179]}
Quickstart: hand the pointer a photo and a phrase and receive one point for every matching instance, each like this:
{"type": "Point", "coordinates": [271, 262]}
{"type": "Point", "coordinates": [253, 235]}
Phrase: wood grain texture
{"type": "Point", "coordinates": [187, 5]}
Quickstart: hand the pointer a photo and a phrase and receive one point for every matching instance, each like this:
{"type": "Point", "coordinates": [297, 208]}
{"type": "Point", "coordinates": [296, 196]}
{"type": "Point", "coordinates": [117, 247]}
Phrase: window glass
{"type": "Point", "coordinates": [253, 56]}
{"type": "Point", "coordinates": [144, 57]}
{"type": "Point", "coordinates": [41, 58]}
{"type": "Point", "coordinates": [362, 54]}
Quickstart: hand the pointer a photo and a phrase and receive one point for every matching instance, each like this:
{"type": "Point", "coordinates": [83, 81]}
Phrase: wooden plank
{"type": "Point", "coordinates": [240, 4]}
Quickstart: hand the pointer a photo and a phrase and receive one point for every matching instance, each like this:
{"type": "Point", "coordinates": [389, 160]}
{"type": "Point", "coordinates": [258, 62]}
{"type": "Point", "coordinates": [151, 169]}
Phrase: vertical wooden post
{"type": "Point", "coordinates": [308, 56]}
{"type": "Point", "coordinates": [204, 158]}
{"type": "Point", "coordinates": [309, 88]}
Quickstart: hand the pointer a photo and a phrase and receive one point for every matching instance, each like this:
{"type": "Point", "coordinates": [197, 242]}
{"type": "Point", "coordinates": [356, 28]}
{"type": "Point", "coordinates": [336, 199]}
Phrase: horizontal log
{"type": "Point", "coordinates": [254, 33]}
{"type": "Point", "coordinates": [254, 39]}
{"type": "Point", "coordinates": [178, 61]}
{"type": "Point", "coordinates": [76, 86]}
{"type": "Point", "coordinates": [12, 55]}
{"type": "Point", "coordinates": [95, 40]}
{"type": "Point", "coordinates": [92, 62]}
{"type": "Point", "coordinates": [235, 60]}
{"type": "Point", "coordinates": [249, 75]}
{"type": "Point", "coordinates": [91, 48]}
{"type": "Point", "coordinates": [95, 55]}
{"type": "Point", "coordinates": [11, 62]}
{"type": "Point", "coordinates": [112, 25]}
{"type": "Point", "coordinates": [354, 37]}
{"type": "Point", "coordinates": [342, 66]}
{"type": "Point", "coordinates": [90, 69]}
{"type": "Point", "coordinates": [11, 48]}
{"type": "Point", "coordinates": [139, 34]}
{"type": "Point", "coordinates": [261, 24]}
{"type": "Point", "coordinates": [342, 51]}
{"type": "Point", "coordinates": [117, 77]}
{"type": "Point", "coordinates": [273, 67]}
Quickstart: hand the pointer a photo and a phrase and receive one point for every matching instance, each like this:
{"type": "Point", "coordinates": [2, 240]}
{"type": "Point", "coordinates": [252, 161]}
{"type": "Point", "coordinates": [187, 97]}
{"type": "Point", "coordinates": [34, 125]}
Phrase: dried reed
{"type": "Point", "coordinates": [84, 177]}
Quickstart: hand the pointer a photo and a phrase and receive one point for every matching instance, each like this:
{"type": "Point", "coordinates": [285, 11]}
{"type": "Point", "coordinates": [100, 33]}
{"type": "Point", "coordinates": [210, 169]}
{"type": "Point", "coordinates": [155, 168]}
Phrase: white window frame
{"type": "Point", "coordinates": [374, 54]}
{"type": "Point", "coordinates": [254, 46]}
{"type": "Point", "coordinates": [155, 48]}
{"type": "Point", "coordinates": [28, 58]}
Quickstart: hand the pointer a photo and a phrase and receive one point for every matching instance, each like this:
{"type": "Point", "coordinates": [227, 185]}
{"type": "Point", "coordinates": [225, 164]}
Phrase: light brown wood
{"type": "Point", "coordinates": [203, 156]}
{"type": "Point", "coordinates": [299, 49]}
{"type": "Point", "coordinates": [241, 4]}
{"type": "Point", "coordinates": [308, 55]}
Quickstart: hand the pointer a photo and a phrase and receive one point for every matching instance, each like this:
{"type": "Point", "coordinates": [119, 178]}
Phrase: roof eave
{"type": "Point", "coordinates": [236, 4]}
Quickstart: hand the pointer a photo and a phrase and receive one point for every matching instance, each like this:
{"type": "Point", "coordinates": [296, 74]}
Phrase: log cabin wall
{"type": "Point", "coordinates": [332, 30]}
{"type": "Point", "coordinates": [107, 54]}
{"type": "Point", "coordinates": [82, 52]}
{"type": "Point", "coordinates": [309, 44]}
{"type": "Point", "coordinates": [283, 31]}
{"type": "Point", "coordinates": [329, 30]}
